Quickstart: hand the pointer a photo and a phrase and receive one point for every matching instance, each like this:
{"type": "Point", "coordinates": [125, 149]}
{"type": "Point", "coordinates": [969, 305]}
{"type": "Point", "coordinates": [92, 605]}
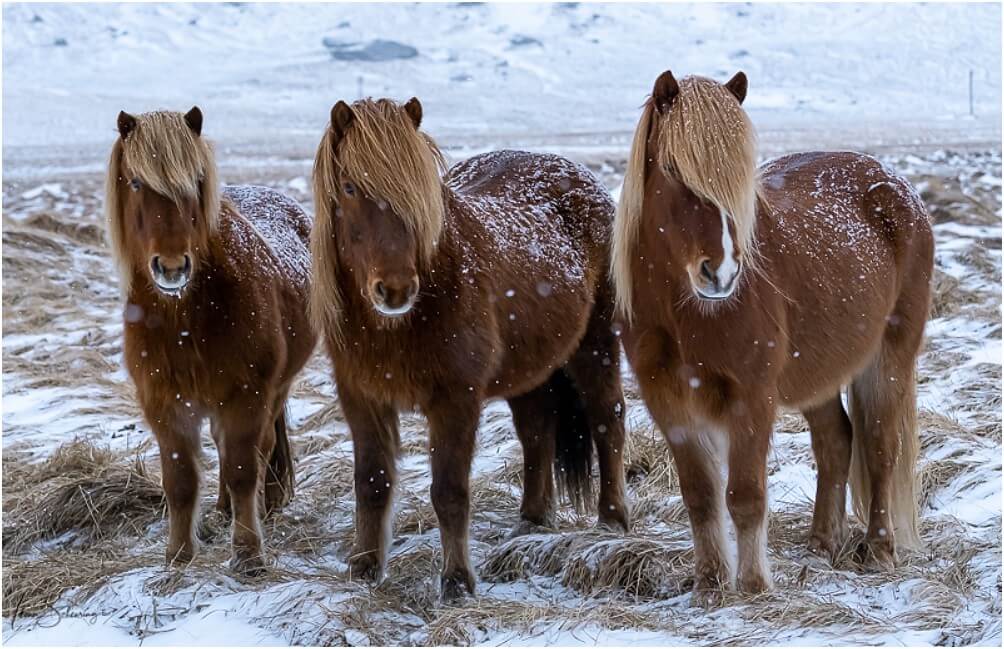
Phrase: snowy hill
{"type": "Point", "coordinates": [268, 74]}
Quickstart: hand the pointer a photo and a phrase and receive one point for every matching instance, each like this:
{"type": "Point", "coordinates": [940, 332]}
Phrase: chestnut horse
{"type": "Point", "coordinates": [437, 294]}
{"type": "Point", "coordinates": [216, 291]}
{"type": "Point", "coordinates": [746, 290]}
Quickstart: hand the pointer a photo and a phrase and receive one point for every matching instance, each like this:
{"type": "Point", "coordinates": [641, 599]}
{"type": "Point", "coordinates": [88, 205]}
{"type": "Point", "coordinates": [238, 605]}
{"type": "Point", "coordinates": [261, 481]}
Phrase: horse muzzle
{"type": "Point", "coordinates": [713, 285]}
{"type": "Point", "coordinates": [394, 299]}
{"type": "Point", "coordinates": [171, 275]}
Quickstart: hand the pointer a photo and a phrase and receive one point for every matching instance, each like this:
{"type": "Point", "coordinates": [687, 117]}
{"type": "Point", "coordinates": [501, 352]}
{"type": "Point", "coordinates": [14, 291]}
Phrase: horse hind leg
{"type": "Point", "coordinates": [595, 371]}
{"type": "Point", "coordinates": [223, 497]}
{"type": "Point", "coordinates": [279, 475]}
{"type": "Point", "coordinates": [884, 453]}
{"type": "Point", "coordinates": [831, 445]}
{"type": "Point", "coordinates": [536, 420]}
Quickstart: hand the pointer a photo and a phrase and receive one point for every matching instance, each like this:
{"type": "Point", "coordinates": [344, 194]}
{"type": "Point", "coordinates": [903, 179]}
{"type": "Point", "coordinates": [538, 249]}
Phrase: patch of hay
{"type": "Point", "coordinates": [31, 587]}
{"type": "Point", "coordinates": [593, 561]}
{"type": "Point", "coordinates": [86, 490]}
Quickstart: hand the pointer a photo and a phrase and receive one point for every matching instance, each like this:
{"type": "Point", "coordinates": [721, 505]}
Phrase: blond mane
{"type": "Point", "coordinates": [384, 154]}
{"type": "Point", "coordinates": [709, 142]}
{"type": "Point", "coordinates": [165, 155]}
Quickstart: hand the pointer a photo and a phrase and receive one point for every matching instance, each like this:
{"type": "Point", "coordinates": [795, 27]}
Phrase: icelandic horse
{"type": "Point", "coordinates": [436, 293]}
{"type": "Point", "coordinates": [743, 290]}
{"type": "Point", "coordinates": [215, 286]}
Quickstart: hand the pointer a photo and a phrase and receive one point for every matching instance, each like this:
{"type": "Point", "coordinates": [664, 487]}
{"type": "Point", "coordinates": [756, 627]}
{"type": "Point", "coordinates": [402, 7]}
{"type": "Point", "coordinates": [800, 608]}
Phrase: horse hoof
{"type": "Point", "coordinates": [179, 556]}
{"type": "Point", "coordinates": [525, 527]}
{"type": "Point", "coordinates": [822, 547]}
{"type": "Point", "coordinates": [618, 524]}
{"type": "Point", "coordinates": [247, 564]}
{"type": "Point", "coordinates": [707, 597]}
{"type": "Point", "coordinates": [365, 567]}
{"type": "Point", "coordinates": [878, 554]}
{"type": "Point", "coordinates": [456, 586]}
{"type": "Point", "coordinates": [276, 497]}
{"type": "Point", "coordinates": [754, 584]}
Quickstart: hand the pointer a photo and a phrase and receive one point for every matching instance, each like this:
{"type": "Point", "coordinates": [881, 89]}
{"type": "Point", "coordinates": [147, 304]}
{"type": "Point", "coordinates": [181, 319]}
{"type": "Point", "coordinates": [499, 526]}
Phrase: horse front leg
{"type": "Point", "coordinates": [248, 438]}
{"type": "Point", "coordinates": [177, 436]}
{"type": "Point", "coordinates": [375, 441]}
{"type": "Point", "coordinates": [453, 421]}
{"type": "Point", "coordinates": [749, 440]}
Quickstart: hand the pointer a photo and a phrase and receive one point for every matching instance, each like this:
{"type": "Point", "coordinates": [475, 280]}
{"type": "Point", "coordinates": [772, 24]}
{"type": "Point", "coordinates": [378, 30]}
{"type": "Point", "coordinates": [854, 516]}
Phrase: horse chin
{"type": "Point", "coordinates": [393, 315]}
{"type": "Point", "coordinates": [714, 299]}
{"type": "Point", "coordinates": [171, 289]}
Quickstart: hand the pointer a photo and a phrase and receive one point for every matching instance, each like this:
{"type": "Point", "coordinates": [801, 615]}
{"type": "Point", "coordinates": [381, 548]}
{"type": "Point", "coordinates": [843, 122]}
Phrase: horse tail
{"type": "Point", "coordinates": [872, 397]}
{"type": "Point", "coordinates": [280, 477]}
{"type": "Point", "coordinates": [573, 448]}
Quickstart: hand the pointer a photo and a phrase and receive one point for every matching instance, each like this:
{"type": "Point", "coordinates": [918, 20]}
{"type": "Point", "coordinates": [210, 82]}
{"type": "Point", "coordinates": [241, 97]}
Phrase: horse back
{"type": "Point", "coordinates": [547, 184]}
{"type": "Point", "coordinates": [835, 202]}
{"type": "Point", "coordinates": [272, 225]}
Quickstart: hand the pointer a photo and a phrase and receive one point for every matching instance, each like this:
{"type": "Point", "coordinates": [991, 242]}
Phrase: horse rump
{"type": "Point", "coordinates": [573, 448]}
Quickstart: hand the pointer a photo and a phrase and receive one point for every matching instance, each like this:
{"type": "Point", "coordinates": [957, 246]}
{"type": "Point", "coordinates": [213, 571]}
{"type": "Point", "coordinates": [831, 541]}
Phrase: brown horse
{"type": "Point", "coordinates": [438, 294]}
{"type": "Point", "coordinates": [216, 291]}
{"type": "Point", "coordinates": [744, 291]}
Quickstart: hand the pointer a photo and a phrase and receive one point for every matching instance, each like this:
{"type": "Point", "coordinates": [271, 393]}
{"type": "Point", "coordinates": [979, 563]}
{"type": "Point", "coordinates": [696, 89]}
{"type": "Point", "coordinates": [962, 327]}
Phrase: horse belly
{"type": "Point", "coordinates": [835, 332]}
{"type": "Point", "coordinates": [540, 332]}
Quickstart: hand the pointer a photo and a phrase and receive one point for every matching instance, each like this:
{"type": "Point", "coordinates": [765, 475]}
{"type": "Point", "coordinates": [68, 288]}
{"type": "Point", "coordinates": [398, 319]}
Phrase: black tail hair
{"type": "Point", "coordinates": [280, 477]}
{"type": "Point", "coordinates": [573, 448]}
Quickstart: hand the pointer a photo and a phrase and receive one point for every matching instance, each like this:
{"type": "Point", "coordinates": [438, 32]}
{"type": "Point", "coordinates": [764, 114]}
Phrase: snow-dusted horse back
{"type": "Point", "coordinates": [437, 294]}
{"type": "Point", "coordinates": [215, 287]}
{"type": "Point", "coordinates": [744, 290]}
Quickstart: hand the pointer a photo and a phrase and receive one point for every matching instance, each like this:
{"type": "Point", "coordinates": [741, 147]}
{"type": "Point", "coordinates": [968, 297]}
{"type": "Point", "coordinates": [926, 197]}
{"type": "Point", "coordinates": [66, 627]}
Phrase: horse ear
{"type": "Point", "coordinates": [737, 85]}
{"type": "Point", "coordinates": [414, 110]}
{"type": "Point", "coordinates": [341, 119]}
{"type": "Point", "coordinates": [665, 91]}
{"type": "Point", "coordinates": [126, 124]}
{"type": "Point", "coordinates": [194, 120]}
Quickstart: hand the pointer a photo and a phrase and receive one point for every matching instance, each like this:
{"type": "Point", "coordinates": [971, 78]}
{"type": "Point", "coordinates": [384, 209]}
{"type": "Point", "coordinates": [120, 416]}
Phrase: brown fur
{"type": "Point", "coordinates": [226, 348]}
{"type": "Point", "coordinates": [495, 313]}
{"type": "Point", "coordinates": [840, 296]}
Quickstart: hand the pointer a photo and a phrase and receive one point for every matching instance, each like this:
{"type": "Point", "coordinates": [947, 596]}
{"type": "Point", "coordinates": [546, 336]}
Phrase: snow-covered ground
{"type": "Point", "coordinates": [892, 79]}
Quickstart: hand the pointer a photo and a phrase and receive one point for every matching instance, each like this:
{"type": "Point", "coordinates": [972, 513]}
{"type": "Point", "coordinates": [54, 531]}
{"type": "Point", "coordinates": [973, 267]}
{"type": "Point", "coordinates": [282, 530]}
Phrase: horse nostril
{"type": "Point", "coordinates": [380, 290]}
{"type": "Point", "coordinates": [706, 271]}
{"type": "Point", "coordinates": [188, 264]}
{"type": "Point", "coordinates": [155, 265]}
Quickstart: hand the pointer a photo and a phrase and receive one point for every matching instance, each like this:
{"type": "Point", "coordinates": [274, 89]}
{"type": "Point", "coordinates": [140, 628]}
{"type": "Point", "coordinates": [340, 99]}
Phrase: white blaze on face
{"type": "Point", "coordinates": [730, 267]}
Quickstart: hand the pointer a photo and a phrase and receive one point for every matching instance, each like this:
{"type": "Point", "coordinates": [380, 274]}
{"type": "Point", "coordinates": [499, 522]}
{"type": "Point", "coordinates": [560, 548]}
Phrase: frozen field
{"type": "Point", "coordinates": [83, 523]}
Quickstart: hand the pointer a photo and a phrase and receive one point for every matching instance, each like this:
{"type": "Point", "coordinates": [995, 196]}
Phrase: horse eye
{"type": "Point", "coordinates": [134, 184]}
{"type": "Point", "coordinates": [349, 189]}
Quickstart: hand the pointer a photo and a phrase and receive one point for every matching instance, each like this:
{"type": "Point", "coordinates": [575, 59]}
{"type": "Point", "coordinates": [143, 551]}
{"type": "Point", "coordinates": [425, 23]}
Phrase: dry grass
{"type": "Point", "coordinates": [85, 490]}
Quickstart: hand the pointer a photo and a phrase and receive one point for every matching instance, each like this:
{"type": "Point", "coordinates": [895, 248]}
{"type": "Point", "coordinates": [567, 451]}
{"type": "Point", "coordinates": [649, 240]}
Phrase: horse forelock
{"type": "Point", "coordinates": [709, 142]}
{"type": "Point", "coordinates": [164, 154]}
{"type": "Point", "coordinates": [391, 161]}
